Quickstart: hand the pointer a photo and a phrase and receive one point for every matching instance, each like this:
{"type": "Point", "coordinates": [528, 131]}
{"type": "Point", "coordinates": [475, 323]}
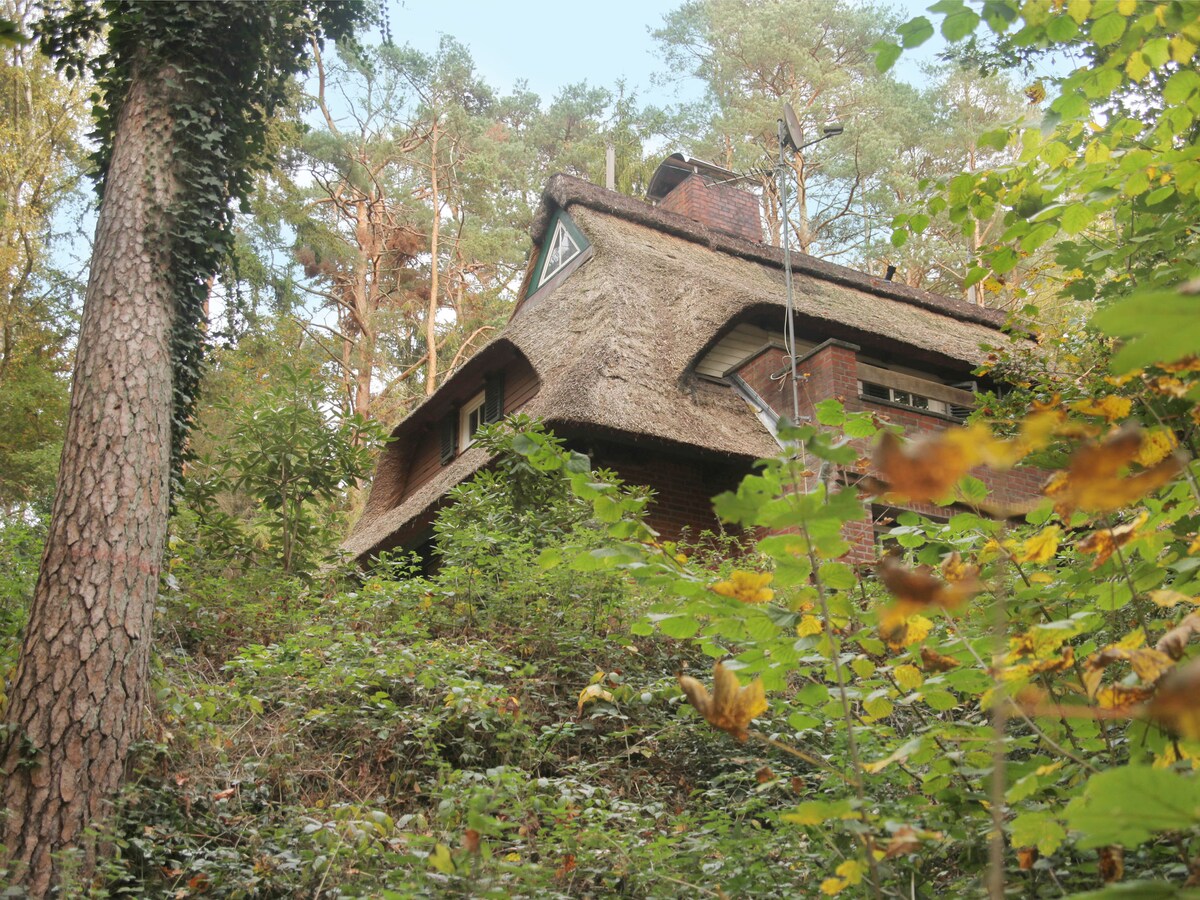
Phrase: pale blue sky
{"type": "Point", "coordinates": [551, 43]}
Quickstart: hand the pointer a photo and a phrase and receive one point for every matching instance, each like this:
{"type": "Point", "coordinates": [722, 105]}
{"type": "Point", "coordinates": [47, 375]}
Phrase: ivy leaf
{"type": "Point", "coordinates": [1128, 805]}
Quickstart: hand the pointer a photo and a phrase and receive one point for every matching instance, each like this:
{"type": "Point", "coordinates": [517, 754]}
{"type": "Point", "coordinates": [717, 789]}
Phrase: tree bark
{"type": "Point", "coordinates": [76, 702]}
{"type": "Point", "coordinates": [431, 361]}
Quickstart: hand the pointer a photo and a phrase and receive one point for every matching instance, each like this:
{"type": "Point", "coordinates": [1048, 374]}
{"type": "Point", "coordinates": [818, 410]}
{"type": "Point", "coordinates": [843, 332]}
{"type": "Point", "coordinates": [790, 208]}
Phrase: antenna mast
{"type": "Point", "coordinates": [789, 136]}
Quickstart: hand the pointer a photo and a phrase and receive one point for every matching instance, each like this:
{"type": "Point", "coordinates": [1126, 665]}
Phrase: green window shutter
{"type": "Point", "coordinates": [493, 398]}
{"type": "Point", "coordinates": [448, 426]}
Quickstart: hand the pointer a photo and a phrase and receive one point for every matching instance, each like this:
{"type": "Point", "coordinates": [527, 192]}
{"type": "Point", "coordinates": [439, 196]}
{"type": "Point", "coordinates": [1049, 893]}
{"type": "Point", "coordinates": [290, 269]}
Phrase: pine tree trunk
{"type": "Point", "coordinates": [75, 705]}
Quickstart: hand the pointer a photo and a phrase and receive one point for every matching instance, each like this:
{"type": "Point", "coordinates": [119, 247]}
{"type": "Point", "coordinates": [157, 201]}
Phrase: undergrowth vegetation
{"type": "Point", "coordinates": [1006, 697]}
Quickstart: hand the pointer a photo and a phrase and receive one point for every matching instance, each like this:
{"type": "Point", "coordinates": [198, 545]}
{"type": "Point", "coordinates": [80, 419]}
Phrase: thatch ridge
{"type": "Point", "coordinates": [563, 191]}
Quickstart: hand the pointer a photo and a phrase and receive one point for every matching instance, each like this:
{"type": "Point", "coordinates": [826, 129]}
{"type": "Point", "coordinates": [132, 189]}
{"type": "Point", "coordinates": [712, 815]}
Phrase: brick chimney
{"type": "Point", "coordinates": [705, 193]}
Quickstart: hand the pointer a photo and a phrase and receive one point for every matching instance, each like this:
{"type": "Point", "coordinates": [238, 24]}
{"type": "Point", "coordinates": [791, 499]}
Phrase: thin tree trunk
{"type": "Point", "coordinates": [431, 314]}
{"type": "Point", "coordinates": [76, 701]}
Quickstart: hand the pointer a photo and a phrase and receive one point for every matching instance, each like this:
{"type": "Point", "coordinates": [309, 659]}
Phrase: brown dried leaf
{"type": "Point", "coordinates": [1094, 481]}
{"type": "Point", "coordinates": [917, 588]}
{"type": "Point", "coordinates": [1175, 641]}
{"type": "Point", "coordinates": [1112, 864]}
{"type": "Point", "coordinates": [1104, 542]}
{"type": "Point", "coordinates": [932, 661]}
{"type": "Point", "coordinates": [1026, 857]}
{"type": "Point", "coordinates": [905, 840]}
{"type": "Point", "coordinates": [927, 468]}
{"type": "Point", "coordinates": [731, 707]}
{"type": "Point", "coordinates": [471, 840]}
{"type": "Point", "coordinates": [1176, 703]}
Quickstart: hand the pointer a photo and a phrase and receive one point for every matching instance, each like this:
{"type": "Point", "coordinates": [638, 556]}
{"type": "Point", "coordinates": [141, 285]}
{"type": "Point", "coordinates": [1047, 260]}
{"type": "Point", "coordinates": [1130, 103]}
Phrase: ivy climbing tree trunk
{"type": "Point", "coordinates": [76, 701]}
{"type": "Point", "coordinates": [185, 91]}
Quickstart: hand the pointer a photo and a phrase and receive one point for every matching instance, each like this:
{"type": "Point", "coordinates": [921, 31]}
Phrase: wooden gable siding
{"type": "Point", "coordinates": [742, 343]}
{"type": "Point", "coordinates": [520, 386]}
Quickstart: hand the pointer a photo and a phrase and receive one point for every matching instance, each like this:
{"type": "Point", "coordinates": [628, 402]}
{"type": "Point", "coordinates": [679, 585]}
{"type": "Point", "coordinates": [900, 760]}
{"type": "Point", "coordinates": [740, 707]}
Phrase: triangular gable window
{"type": "Point", "coordinates": [563, 248]}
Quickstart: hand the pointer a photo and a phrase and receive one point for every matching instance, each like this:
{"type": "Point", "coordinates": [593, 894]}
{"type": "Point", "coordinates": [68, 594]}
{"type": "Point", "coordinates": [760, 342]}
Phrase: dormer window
{"type": "Point", "coordinates": [562, 250]}
{"type": "Point", "coordinates": [460, 426]}
{"type": "Point", "coordinates": [470, 418]}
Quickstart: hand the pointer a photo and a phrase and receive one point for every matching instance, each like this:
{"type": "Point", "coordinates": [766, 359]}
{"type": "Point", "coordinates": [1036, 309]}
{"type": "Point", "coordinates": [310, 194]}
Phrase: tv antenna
{"type": "Point", "coordinates": [790, 135]}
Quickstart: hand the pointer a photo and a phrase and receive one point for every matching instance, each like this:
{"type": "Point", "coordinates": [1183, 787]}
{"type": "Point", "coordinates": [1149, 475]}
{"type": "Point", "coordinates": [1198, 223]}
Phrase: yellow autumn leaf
{"type": "Point", "coordinates": [1111, 407]}
{"type": "Point", "coordinates": [849, 874]}
{"type": "Point", "coordinates": [1157, 445]}
{"type": "Point", "coordinates": [730, 707]}
{"type": "Point", "coordinates": [1136, 67]}
{"type": "Point", "coordinates": [1127, 7]}
{"type": "Point", "coordinates": [1182, 49]}
{"type": "Point", "coordinates": [1169, 598]}
{"type": "Point", "coordinates": [749, 587]}
{"type": "Point", "coordinates": [902, 631]}
{"type": "Point", "coordinates": [592, 693]}
{"type": "Point", "coordinates": [908, 677]}
{"type": "Point", "coordinates": [1040, 548]}
{"type": "Point", "coordinates": [809, 626]}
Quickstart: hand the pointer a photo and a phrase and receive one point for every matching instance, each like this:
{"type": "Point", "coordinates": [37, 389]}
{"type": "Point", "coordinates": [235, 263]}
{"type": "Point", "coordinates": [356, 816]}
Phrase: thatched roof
{"type": "Point", "coordinates": [615, 343]}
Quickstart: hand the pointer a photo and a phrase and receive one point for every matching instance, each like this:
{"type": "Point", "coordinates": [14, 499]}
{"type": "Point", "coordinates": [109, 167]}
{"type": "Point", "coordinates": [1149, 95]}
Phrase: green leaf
{"type": "Point", "coordinates": [1038, 829]}
{"type": "Point", "coordinates": [1180, 86]}
{"type": "Point", "coordinates": [1076, 217]}
{"type": "Point", "coordinates": [838, 575]}
{"type": "Point", "coordinates": [1129, 805]}
{"type": "Point", "coordinates": [1055, 152]}
{"type": "Point", "coordinates": [831, 412]}
{"type": "Point", "coordinates": [886, 54]}
{"type": "Point", "coordinates": [818, 812]}
{"type": "Point", "coordinates": [942, 701]}
{"type": "Point", "coordinates": [1107, 29]}
{"type": "Point", "coordinates": [1159, 327]}
{"type": "Point", "coordinates": [959, 25]}
{"type": "Point", "coordinates": [916, 31]}
{"type": "Point", "coordinates": [1061, 28]}
{"type": "Point", "coordinates": [994, 140]}
{"type": "Point", "coordinates": [679, 626]}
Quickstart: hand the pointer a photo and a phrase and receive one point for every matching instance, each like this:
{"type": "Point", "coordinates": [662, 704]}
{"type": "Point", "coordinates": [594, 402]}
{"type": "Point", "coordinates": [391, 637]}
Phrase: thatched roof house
{"type": "Point", "coordinates": [650, 336]}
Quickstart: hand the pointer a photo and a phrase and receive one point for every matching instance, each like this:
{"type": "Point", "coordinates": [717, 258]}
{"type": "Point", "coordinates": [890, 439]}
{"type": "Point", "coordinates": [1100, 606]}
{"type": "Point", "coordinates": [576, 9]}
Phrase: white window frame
{"type": "Point", "coordinates": [560, 231]}
{"type": "Point", "coordinates": [904, 398]}
{"type": "Point", "coordinates": [474, 406]}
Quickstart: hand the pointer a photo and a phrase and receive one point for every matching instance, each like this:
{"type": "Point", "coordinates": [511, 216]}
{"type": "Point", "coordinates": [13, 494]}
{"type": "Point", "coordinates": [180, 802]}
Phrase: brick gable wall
{"type": "Point", "coordinates": [722, 207]}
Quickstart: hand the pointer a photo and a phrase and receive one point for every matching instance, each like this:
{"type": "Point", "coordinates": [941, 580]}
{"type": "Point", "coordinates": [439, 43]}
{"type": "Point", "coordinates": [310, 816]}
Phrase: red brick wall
{"type": "Point", "coordinates": [832, 371]}
{"type": "Point", "coordinates": [683, 488]}
{"type": "Point", "coordinates": [721, 207]}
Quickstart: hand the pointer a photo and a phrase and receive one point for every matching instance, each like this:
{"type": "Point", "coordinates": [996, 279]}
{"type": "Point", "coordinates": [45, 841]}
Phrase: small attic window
{"type": "Point", "coordinates": [562, 250]}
